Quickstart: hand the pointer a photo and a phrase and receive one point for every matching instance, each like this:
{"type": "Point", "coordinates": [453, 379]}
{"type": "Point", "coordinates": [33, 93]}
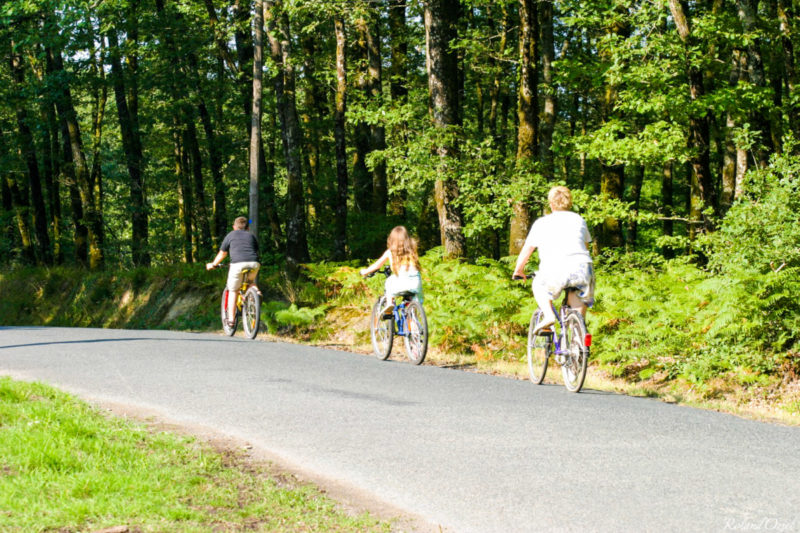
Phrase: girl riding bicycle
{"type": "Point", "coordinates": [401, 253]}
{"type": "Point", "coordinates": [562, 238]}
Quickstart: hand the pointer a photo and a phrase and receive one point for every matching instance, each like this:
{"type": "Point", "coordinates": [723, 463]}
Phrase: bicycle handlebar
{"type": "Point", "coordinates": [386, 271]}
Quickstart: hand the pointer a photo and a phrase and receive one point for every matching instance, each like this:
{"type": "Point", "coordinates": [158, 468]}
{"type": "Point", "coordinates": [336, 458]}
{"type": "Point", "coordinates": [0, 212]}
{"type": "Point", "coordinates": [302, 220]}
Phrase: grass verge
{"type": "Point", "coordinates": [66, 466]}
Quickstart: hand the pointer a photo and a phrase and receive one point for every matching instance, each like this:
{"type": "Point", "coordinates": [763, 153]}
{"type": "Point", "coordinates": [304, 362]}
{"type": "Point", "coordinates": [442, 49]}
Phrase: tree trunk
{"type": "Point", "coordinates": [52, 180]}
{"type": "Point", "coordinates": [184, 191]}
{"type": "Point", "coordinates": [549, 90]}
{"type": "Point", "coordinates": [100, 98]}
{"type": "Point", "coordinates": [132, 147]}
{"type": "Point", "coordinates": [441, 23]}
{"type": "Point", "coordinates": [80, 238]}
{"type": "Point", "coordinates": [339, 120]}
{"type": "Point", "coordinates": [27, 149]}
{"type": "Point", "coordinates": [636, 194]}
{"type": "Point", "coordinates": [380, 192]}
{"type": "Point", "coordinates": [702, 186]}
{"type": "Point", "coordinates": [528, 113]}
{"type": "Point", "coordinates": [362, 181]}
{"type": "Point", "coordinates": [195, 160]}
{"type": "Point", "coordinates": [218, 205]}
{"type": "Point", "coordinates": [398, 88]}
{"type": "Point", "coordinates": [279, 38]}
{"type": "Point", "coordinates": [666, 203]}
{"type": "Point", "coordinates": [255, 115]}
{"type": "Point", "coordinates": [18, 195]}
{"type": "Point", "coordinates": [786, 15]}
{"type": "Point", "coordinates": [748, 14]}
{"type": "Point", "coordinates": [66, 109]}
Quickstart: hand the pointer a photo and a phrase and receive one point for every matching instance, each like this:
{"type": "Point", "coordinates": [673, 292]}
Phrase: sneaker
{"type": "Point", "coordinates": [387, 310]}
{"type": "Point", "coordinates": [544, 327]}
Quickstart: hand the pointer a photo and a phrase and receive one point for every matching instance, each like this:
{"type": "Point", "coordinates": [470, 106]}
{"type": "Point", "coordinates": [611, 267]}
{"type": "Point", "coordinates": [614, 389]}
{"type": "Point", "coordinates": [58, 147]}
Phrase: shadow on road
{"type": "Point", "coordinates": [123, 339]}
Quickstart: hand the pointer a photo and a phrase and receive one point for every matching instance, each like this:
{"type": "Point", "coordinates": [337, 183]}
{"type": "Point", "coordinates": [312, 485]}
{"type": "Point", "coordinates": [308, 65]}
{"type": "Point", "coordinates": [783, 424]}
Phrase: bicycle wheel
{"type": "Point", "coordinates": [416, 340]}
{"type": "Point", "coordinates": [540, 347]}
{"type": "Point", "coordinates": [381, 331]}
{"type": "Point", "coordinates": [229, 330]}
{"type": "Point", "coordinates": [251, 312]}
{"type": "Point", "coordinates": [577, 359]}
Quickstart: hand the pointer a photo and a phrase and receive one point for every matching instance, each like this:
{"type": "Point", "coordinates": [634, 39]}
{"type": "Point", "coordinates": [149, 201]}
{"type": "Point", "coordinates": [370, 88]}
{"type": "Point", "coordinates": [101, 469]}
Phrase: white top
{"type": "Point", "coordinates": [562, 238]}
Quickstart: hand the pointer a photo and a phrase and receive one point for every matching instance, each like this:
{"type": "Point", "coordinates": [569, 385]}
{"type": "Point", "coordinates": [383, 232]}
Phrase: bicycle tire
{"type": "Point", "coordinates": [416, 339]}
{"type": "Point", "coordinates": [577, 360]}
{"type": "Point", "coordinates": [229, 330]}
{"type": "Point", "coordinates": [540, 348]}
{"type": "Point", "coordinates": [381, 331]}
{"type": "Point", "coordinates": [251, 312]}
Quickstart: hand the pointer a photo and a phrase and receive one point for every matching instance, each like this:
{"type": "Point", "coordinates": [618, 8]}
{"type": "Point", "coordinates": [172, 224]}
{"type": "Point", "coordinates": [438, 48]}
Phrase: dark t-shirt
{"type": "Point", "coordinates": [241, 245]}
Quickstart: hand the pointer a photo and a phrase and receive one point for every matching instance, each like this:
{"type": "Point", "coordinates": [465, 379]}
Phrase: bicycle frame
{"type": "Point", "coordinates": [561, 314]}
{"type": "Point", "coordinates": [400, 319]}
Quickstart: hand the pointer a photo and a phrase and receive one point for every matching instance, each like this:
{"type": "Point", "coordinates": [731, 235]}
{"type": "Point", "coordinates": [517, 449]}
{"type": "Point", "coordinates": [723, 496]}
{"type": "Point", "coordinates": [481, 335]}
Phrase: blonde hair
{"type": "Point", "coordinates": [403, 249]}
{"type": "Point", "coordinates": [560, 198]}
{"type": "Point", "coordinates": [241, 223]}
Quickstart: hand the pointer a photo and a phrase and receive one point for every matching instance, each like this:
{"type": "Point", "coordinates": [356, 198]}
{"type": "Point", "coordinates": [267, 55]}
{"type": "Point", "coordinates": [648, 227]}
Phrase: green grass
{"type": "Point", "coordinates": [66, 466]}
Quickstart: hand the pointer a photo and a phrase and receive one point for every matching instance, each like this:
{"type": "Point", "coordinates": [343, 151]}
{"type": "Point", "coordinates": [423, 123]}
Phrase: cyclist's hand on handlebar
{"type": "Point", "coordinates": [516, 277]}
{"type": "Point", "coordinates": [364, 272]}
{"type": "Point", "coordinates": [210, 266]}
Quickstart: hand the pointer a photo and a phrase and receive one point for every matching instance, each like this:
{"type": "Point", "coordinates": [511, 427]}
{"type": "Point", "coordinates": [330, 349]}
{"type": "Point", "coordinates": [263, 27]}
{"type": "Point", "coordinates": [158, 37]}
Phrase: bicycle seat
{"type": "Point", "coordinates": [407, 295]}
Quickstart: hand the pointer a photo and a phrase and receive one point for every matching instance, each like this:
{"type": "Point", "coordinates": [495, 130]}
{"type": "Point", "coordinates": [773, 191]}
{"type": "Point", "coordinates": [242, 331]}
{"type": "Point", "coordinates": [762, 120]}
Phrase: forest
{"type": "Point", "coordinates": [134, 131]}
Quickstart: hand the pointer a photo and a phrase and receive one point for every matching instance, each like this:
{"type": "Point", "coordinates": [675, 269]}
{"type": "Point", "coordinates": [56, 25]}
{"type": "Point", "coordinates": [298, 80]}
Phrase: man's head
{"type": "Point", "coordinates": [560, 198]}
{"type": "Point", "coordinates": [241, 223]}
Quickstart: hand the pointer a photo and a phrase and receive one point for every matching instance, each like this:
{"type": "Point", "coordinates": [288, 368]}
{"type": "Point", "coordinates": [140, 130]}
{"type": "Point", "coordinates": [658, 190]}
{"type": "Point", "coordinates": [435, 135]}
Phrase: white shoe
{"type": "Point", "coordinates": [545, 326]}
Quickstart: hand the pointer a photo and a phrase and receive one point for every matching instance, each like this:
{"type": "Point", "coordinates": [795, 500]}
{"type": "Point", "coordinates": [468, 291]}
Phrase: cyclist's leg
{"type": "Point", "coordinates": [233, 285]}
{"type": "Point", "coordinates": [583, 296]}
{"type": "Point", "coordinates": [544, 292]}
{"type": "Point", "coordinates": [252, 276]}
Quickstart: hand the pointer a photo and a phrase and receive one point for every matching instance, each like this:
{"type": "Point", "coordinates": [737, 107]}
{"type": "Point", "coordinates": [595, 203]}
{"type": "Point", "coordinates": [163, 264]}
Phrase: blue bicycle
{"type": "Point", "coordinates": [570, 348]}
{"type": "Point", "coordinates": [406, 320]}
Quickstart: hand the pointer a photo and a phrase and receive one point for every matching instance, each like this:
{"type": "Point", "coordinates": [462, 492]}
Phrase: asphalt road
{"type": "Point", "coordinates": [467, 451]}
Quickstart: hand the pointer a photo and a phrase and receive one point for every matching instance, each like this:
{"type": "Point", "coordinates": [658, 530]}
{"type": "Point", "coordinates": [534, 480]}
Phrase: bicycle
{"type": "Point", "coordinates": [407, 320]}
{"type": "Point", "coordinates": [248, 306]}
{"type": "Point", "coordinates": [570, 349]}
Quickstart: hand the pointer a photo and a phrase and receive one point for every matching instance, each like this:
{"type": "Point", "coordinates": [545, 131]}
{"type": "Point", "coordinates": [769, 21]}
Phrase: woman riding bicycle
{"type": "Point", "coordinates": [401, 253]}
{"type": "Point", "coordinates": [562, 238]}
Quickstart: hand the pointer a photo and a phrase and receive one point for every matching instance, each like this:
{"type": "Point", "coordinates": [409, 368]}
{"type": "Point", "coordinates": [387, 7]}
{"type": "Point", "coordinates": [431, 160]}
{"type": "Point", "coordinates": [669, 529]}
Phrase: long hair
{"type": "Point", "coordinates": [403, 249]}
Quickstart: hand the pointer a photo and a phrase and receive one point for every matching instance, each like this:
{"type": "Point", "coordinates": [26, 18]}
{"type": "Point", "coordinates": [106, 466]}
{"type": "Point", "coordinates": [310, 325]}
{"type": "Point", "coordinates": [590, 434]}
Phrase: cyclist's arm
{"type": "Point", "coordinates": [522, 259]}
{"type": "Point", "coordinates": [217, 260]}
{"type": "Point", "coordinates": [377, 264]}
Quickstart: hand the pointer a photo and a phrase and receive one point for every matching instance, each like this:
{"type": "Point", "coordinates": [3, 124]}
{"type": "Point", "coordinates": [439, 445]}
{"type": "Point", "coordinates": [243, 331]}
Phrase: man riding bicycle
{"type": "Point", "coordinates": [562, 238]}
{"type": "Point", "coordinates": [243, 248]}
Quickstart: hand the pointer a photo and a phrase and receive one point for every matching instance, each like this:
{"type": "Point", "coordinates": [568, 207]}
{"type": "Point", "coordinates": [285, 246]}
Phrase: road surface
{"type": "Point", "coordinates": [469, 452]}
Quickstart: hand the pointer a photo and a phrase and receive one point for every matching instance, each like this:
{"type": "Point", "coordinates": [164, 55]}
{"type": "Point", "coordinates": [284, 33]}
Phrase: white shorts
{"type": "Point", "coordinates": [235, 278]}
{"type": "Point", "coordinates": [581, 277]}
{"type": "Point", "coordinates": [407, 282]}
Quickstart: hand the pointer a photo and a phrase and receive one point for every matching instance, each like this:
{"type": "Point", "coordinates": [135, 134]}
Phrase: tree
{"type": "Point", "coordinates": [441, 22]}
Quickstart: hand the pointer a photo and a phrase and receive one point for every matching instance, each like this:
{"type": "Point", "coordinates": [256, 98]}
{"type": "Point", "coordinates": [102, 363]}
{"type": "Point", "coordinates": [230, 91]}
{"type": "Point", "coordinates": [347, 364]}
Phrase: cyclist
{"type": "Point", "coordinates": [401, 253]}
{"type": "Point", "coordinates": [562, 238]}
{"type": "Point", "coordinates": [243, 248]}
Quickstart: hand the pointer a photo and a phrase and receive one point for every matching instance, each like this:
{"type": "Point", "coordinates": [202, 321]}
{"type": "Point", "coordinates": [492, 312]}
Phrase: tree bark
{"type": "Point", "coordinates": [666, 203]}
{"type": "Point", "coordinates": [702, 186]}
{"type": "Point", "coordinates": [748, 14]}
{"type": "Point", "coordinates": [339, 120]}
{"type": "Point", "coordinates": [549, 91]}
{"type": "Point", "coordinates": [380, 192]}
{"type": "Point", "coordinates": [528, 113]}
{"type": "Point", "coordinates": [398, 88]}
{"type": "Point", "coordinates": [27, 149]}
{"type": "Point", "coordinates": [66, 110]}
{"type": "Point", "coordinates": [362, 181]}
{"type": "Point", "coordinates": [441, 23]}
{"type": "Point", "coordinates": [132, 147]}
{"type": "Point", "coordinates": [255, 115]}
{"type": "Point", "coordinates": [279, 38]}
